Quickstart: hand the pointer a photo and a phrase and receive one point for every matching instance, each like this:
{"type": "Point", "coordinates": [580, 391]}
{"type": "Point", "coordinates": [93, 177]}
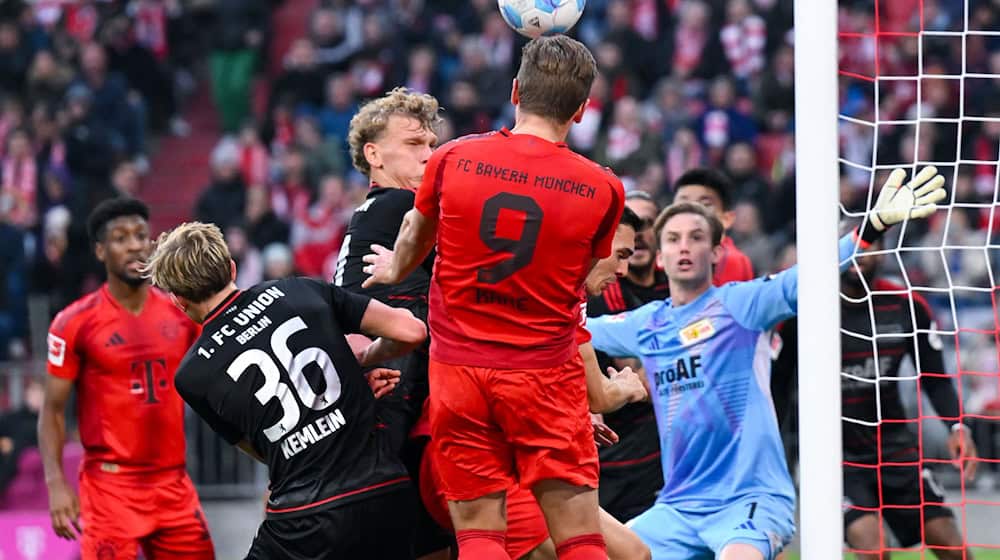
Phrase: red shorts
{"type": "Point", "coordinates": [161, 514]}
{"type": "Point", "coordinates": [497, 428]}
{"type": "Point", "coordinates": [526, 528]}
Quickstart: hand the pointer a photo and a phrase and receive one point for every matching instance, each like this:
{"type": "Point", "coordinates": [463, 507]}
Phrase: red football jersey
{"type": "Point", "coordinates": [520, 220]}
{"type": "Point", "coordinates": [131, 417]}
{"type": "Point", "coordinates": [734, 266]}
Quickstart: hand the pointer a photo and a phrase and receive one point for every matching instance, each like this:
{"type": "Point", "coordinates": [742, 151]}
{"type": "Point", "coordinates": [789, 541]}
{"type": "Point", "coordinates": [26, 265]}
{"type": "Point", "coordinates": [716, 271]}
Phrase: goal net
{"type": "Point", "coordinates": [920, 85]}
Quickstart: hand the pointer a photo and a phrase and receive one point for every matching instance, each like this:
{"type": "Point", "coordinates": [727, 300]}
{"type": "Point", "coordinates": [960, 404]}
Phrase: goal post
{"type": "Point", "coordinates": [817, 199]}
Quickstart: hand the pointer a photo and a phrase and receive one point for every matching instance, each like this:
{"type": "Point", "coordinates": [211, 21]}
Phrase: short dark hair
{"type": "Point", "coordinates": [109, 210]}
{"type": "Point", "coordinates": [631, 219]}
{"type": "Point", "coordinates": [689, 208]}
{"type": "Point", "coordinates": [715, 180]}
{"type": "Point", "coordinates": [555, 77]}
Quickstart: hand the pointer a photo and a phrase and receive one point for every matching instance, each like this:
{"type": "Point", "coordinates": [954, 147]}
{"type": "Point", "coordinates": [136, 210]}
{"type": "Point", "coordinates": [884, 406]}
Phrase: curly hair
{"type": "Point", "coordinates": [371, 120]}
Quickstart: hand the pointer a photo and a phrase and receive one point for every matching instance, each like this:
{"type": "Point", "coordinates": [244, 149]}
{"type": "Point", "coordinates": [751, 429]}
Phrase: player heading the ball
{"type": "Point", "coordinates": [519, 220]}
{"type": "Point", "coordinates": [272, 372]}
{"type": "Point", "coordinates": [727, 491]}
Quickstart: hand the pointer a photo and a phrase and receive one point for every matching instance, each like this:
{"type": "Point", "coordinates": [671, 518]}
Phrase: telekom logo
{"type": "Point", "coordinates": [31, 541]}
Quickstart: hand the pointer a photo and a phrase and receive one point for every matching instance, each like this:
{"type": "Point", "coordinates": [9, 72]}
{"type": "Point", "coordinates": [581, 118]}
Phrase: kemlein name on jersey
{"type": "Point", "coordinates": [292, 390]}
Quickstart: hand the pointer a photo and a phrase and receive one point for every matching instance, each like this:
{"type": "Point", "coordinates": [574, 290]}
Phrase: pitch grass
{"type": "Point", "coordinates": [980, 554]}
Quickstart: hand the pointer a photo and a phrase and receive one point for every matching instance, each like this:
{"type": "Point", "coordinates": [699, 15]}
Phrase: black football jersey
{"type": "Point", "coordinates": [272, 367]}
{"type": "Point", "coordinates": [901, 333]}
{"type": "Point", "coordinates": [377, 221]}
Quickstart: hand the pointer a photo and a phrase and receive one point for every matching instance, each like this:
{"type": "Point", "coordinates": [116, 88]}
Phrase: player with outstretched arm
{"type": "Point", "coordinates": [884, 477]}
{"type": "Point", "coordinates": [119, 347]}
{"type": "Point", "coordinates": [508, 401]}
{"type": "Point", "coordinates": [272, 372]}
{"type": "Point", "coordinates": [706, 352]}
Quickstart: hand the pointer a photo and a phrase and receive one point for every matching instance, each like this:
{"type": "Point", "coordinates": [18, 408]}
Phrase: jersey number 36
{"type": "Point", "coordinates": [295, 365]}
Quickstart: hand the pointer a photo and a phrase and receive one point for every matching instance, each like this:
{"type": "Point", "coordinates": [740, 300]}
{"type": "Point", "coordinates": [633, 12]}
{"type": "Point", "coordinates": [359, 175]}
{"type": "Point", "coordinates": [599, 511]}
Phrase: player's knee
{"type": "Point", "coordinates": [488, 513]}
{"type": "Point", "coordinates": [863, 535]}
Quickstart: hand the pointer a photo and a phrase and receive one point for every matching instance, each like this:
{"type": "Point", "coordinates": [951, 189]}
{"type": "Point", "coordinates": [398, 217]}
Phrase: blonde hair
{"type": "Point", "coordinates": [192, 261]}
{"type": "Point", "coordinates": [372, 119]}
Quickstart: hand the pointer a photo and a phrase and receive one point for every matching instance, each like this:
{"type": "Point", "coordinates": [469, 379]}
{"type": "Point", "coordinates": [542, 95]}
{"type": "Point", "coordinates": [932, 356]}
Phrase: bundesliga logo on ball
{"type": "Point", "coordinates": [533, 18]}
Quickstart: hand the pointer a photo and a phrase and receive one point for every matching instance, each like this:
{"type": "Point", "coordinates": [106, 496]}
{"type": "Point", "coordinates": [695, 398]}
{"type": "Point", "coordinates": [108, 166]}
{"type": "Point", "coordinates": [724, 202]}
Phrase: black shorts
{"type": "Point", "coordinates": [378, 528]}
{"type": "Point", "coordinates": [627, 491]}
{"type": "Point", "coordinates": [899, 502]}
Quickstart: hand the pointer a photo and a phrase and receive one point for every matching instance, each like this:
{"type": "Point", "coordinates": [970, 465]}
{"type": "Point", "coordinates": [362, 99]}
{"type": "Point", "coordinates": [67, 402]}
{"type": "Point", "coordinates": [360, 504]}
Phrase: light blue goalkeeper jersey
{"type": "Point", "coordinates": [709, 369]}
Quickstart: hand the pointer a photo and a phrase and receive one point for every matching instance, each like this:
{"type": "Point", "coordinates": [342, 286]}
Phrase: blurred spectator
{"type": "Point", "coordinates": [278, 262]}
{"type": "Point", "coordinates": [19, 180]}
{"type": "Point", "coordinates": [323, 156]}
{"type": "Point", "coordinates": [697, 51]}
{"type": "Point", "coordinates": [125, 179]}
{"type": "Point", "coordinates": [291, 194]}
{"type": "Point", "coordinates": [15, 56]}
{"type": "Point", "coordinates": [336, 32]}
{"type": "Point", "coordinates": [466, 110]}
{"type": "Point", "coordinates": [301, 84]}
{"type": "Point", "coordinates": [748, 234]}
{"type": "Point", "coordinates": [249, 268]}
{"type": "Point", "coordinates": [263, 226]}
{"type": "Point", "coordinates": [628, 146]}
{"type": "Point", "coordinates": [255, 162]}
{"type": "Point", "coordinates": [239, 32]}
{"type": "Point", "coordinates": [492, 85]}
{"type": "Point", "coordinates": [421, 74]}
{"type": "Point", "coordinates": [112, 103]}
{"type": "Point", "coordinates": [145, 73]}
{"type": "Point", "coordinates": [47, 79]}
{"type": "Point", "coordinates": [317, 235]}
{"type": "Point", "coordinates": [341, 104]}
{"type": "Point", "coordinates": [723, 122]}
{"type": "Point", "coordinates": [13, 283]}
{"type": "Point", "coordinates": [223, 201]}
{"type": "Point", "coordinates": [743, 38]}
{"type": "Point", "coordinates": [19, 431]}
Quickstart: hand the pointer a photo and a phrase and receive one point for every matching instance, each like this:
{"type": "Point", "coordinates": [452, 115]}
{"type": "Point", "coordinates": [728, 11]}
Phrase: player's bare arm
{"type": "Point", "coordinates": [416, 238]}
{"type": "Point", "coordinates": [606, 394]}
{"type": "Point", "coordinates": [398, 330]}
{"type": "Point", "coordinates": [64, 506]}
{"type": "Point", "coordinates": [381, 380]}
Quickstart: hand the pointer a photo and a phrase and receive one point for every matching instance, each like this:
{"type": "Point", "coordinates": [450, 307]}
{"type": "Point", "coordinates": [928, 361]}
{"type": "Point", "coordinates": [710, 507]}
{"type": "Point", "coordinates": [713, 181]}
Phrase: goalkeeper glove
{"type": "Point", "coordinates": [897, 202]}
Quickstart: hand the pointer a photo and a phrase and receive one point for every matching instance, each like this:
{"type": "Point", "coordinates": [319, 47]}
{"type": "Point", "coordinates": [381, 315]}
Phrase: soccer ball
{"type": "Point", "coordinates": [532, 18]}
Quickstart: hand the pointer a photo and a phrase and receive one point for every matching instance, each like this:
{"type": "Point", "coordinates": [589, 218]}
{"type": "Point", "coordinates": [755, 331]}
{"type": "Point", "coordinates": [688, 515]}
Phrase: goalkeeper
{"type": "Point", "coordinates": [727, 492]}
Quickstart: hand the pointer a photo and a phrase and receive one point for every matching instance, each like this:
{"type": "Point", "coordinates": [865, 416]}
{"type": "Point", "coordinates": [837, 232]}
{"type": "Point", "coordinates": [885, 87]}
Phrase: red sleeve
{"type": "Point", "coordinates": [428, 198]}
{"type": "Point", "coordinates": [606, 234]}
{"type": "Point", "coordinates": [63, 359]}
{"type": "Point", "coordinates": [583, 336]}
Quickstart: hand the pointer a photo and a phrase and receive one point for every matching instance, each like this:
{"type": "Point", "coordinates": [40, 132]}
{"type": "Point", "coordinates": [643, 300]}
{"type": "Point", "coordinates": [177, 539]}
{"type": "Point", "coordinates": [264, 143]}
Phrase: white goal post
{"type": "Point", "coordinates": [817, 200]}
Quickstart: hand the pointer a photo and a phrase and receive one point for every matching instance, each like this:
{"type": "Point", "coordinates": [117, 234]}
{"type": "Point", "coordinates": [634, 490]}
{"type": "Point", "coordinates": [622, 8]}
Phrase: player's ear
{"type": "Point", "coordinates": [716, 254]}
{"type": "Point", "coordinates": [372, 155]}
{"type": "Point", "coordinates": [578, 116]}
{"type": "Point", "coordinates": [99, 251]}
{"type": "Point", "coordinates": [727, 217]}
{"type": "Point", "coordinates": [661, 259]}
{"type": "Point", "coordinates": [232, 270]}
{"type": "Point", "coordinates": [515, 95]}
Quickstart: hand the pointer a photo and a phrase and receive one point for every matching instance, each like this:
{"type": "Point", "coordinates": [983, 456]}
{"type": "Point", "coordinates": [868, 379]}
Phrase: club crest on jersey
{"type": "Point", "coordinates": [697, 331]}
{"type": "Point", "coordinates": [57, 350]}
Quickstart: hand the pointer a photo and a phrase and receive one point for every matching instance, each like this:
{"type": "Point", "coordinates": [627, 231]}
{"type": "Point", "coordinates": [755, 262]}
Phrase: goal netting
{"type": "Point", "coordinates": [920, 85]}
